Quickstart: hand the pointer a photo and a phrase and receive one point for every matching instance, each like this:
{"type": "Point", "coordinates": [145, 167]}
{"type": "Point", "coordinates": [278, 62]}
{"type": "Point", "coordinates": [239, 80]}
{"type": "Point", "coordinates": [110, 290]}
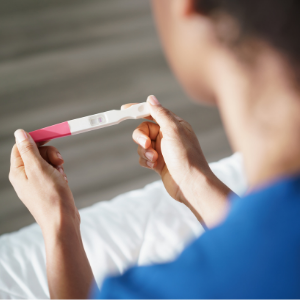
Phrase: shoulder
{"type": "Point", "coordinates": [253, 254]}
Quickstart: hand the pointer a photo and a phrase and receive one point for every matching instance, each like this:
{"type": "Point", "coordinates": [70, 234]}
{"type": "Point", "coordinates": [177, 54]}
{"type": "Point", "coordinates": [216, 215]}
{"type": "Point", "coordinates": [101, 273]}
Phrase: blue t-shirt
{"type": "Point", "coordinates": [255, 253]}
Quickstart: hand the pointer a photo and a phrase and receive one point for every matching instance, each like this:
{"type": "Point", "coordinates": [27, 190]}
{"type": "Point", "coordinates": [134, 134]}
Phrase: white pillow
{"type": "Point", "coordinates": [139, 227]}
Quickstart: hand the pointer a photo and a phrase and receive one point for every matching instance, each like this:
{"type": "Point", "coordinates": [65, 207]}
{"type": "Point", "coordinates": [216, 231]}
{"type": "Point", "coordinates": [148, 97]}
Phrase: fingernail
{"type": "Point", "coordinates": [149, 155]}
{"type": "Point", "coordinates": [59, 156]}
{"type": "Point", "coordinates": [142, 141]}
{"type": "Point", "coordinates": [20, 135]}
{"type": "Point", "coordinates": [150, 164]}
{"type": "Point", "coordinates": [153, 100]}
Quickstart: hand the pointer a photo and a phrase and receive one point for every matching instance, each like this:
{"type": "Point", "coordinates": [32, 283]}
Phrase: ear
{"type": "Point", "coordinates": [184, 8]}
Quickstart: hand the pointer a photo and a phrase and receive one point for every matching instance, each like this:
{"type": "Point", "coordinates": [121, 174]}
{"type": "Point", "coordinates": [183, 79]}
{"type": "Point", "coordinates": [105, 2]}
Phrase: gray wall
{"type": "Point", "coordinates": [61, 60]}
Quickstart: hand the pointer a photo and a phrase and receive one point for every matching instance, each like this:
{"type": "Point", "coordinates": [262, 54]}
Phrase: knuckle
{"type": "Point", "coordinates": [167, 114]}
{"type": "Point", "coordinates": [53, 154]}
{"type": "Point", "coordinates": [53, 149]}
{"type": "Point", "coordinates": [163, 111]}
{"type": "Point", "coordinates": [141, 127]}
{"type": "Point", "coordinates": [187, 125]}
{"type": "Point", "coordinates": [143, 124]}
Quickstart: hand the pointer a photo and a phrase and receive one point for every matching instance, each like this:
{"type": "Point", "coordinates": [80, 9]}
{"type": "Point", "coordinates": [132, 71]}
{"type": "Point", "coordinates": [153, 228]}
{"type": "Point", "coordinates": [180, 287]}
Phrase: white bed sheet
{"type": "Point", "coordinates": [139, 227]}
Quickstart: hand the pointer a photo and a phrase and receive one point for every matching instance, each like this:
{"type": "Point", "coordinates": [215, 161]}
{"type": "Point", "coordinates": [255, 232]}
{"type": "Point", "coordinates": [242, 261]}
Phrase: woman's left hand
{"type": "Point", "coordinates": [38, 178]}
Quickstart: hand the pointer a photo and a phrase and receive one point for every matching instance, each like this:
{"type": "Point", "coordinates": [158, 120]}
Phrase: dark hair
{"type": "Point", "coordinates": [275, 21]}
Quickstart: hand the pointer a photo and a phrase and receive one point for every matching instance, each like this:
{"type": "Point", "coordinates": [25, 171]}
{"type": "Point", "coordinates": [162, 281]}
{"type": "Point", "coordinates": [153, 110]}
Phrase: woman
{"type": "Point", "coordinates": [243, 56]}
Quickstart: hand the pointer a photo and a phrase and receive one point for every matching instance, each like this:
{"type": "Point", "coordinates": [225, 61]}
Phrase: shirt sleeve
{"type": "Point", "coordinates": [194, 274]}
{"type": "Point", "coordinates": [254, 254]}
{"type": "Point", "coordinates": [186, 277]}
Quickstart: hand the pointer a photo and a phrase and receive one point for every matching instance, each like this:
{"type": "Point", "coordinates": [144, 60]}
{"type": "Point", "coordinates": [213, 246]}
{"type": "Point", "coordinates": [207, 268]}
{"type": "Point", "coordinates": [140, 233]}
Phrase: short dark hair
{"type": "Point", "coordinates": [275, 21]}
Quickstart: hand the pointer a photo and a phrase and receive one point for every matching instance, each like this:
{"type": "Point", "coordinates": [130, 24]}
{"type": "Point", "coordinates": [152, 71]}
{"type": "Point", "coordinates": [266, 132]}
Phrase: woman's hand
{"type": "Point", "coordinates": [171, 148]}
{"type": "Point", "coordinates": [38, 178]}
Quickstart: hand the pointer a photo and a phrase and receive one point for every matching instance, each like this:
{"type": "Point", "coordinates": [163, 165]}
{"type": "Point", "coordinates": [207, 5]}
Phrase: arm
{"type": "Point", "coordinates": [38, 178]}
{"type": "Point", "coordinates": [171, 148]}
{"type": "Point", "coordinates": [68, 270]}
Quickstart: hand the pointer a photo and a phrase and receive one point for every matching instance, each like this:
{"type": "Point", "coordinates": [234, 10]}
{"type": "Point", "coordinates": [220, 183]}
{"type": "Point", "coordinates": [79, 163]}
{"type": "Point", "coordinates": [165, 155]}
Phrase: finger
{"type": "Point", "coordinates": [125, 106]}
{"type": "Point", "coordinates": [51, 155]}
{"type": "Point", "coordinates": [27, 148]}
{"type": "Point", "coordinates": [147, 164]}
{"type": "Point", "coordinates": [144, 133]}
{"type": "Point", "coordinates": [17, 168]}
{"type": "Point", "coordinates": [150, 154]}
{"type": "Point", "coordinates": [61, 170]}
{"type": "Point", "coordinates": [162, 116]}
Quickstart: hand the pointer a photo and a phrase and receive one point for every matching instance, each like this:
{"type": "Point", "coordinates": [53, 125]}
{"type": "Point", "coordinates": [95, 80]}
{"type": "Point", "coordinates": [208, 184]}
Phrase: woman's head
{"type": "Point", "coordinates": [194, 31]}
{"type": "Point", "coordinates": [243, 55]}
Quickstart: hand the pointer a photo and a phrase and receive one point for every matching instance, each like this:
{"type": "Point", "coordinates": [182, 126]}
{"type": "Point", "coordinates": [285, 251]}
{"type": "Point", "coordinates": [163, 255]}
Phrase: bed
{"type": "Point", "coordinates": [140, 227]}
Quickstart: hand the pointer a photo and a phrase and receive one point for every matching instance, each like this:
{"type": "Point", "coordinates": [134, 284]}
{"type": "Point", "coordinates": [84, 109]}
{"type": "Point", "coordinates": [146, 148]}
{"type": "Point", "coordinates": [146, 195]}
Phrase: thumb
{"type": "Point", "coordinates": [27, 148]}
{"type": "Point", "coordinates": [163, 117]}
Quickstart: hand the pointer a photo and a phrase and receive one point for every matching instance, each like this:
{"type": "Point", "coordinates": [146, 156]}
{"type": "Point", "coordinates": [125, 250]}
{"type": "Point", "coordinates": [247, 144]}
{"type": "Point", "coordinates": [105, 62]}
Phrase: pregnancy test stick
{"type": "Point", "coordinates": [93, 122]}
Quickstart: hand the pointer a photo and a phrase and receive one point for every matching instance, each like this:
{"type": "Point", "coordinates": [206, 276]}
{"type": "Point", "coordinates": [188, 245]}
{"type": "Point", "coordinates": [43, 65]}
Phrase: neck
{"type": "Point", "coordinates": [260, 110]}
{"type": "Point", "coordinates": [272, 151]}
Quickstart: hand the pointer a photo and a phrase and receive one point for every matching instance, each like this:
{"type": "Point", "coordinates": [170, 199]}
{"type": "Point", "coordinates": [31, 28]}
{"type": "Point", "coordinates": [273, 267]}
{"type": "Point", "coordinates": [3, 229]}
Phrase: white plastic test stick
{"type": "Point", "coordinates": [92, 122]}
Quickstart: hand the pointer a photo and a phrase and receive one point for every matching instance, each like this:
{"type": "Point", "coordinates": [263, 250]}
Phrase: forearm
{"type": "Point", "coordinates": [68, 270]}
{"type": "Point", "coordinates": [207, 197]}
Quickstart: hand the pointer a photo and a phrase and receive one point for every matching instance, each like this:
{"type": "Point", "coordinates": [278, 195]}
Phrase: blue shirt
{"type": "Point", "coordinates": [255, 253]}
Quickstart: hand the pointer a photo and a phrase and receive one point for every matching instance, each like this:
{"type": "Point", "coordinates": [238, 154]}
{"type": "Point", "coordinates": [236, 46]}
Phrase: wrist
{"type": "Point", "coordinates": [68, 270]}
{"type": "Point", "coordinates": [60, 224]}
{"type": "Point", "coordinates": [194, 184]}
{"type": "Point", "coordinates": [206, 196]}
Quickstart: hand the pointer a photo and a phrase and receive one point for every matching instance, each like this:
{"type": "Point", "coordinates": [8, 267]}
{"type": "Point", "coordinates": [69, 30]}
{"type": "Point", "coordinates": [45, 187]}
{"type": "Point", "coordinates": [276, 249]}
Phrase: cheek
{"type": "Point", "coordinates": [191, 69]}
{"type": "Point", "coordinates": [181, 46]}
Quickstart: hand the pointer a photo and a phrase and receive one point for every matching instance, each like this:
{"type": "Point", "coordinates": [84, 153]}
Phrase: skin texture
{"type": "Point", "coordinates": [260, 108]}
{"type": "Point", "coordinates": [38, 177]}
{"type": "Point", "coordinates": [170, 147]}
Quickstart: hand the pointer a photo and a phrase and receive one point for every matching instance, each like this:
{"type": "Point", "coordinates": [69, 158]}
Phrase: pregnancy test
{"type": "Point", "coordinates": [93, 122]}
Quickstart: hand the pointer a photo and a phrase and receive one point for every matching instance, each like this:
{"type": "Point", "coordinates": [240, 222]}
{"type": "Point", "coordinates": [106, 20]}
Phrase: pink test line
{"type": "Point", "coordinates": [51, 132]}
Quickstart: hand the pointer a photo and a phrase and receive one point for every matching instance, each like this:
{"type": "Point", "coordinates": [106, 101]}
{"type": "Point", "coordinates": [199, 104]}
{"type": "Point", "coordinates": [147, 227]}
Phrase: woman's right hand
{"type": "Point", "coordinates": [38, 178]}
{"type": "Point", "coordinates": [40, 182]}
{"type": "Point", "coordinates": [171, 148]}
